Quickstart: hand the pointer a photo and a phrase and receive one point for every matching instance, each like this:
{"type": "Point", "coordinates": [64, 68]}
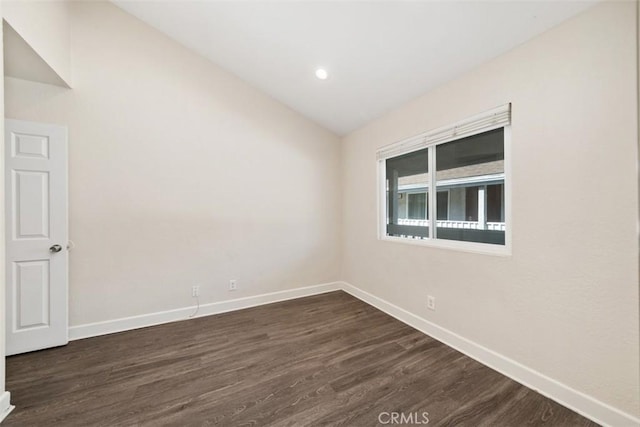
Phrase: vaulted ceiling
{"type": "Point", "coordinates": [378, 54]}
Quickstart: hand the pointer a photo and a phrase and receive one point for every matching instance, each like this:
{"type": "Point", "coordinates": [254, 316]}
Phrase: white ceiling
{"type": "Point", "coordinates": [379, 54]}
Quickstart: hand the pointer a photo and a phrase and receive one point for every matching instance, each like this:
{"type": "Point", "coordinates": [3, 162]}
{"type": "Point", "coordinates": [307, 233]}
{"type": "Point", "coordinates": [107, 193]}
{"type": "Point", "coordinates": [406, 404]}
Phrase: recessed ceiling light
{"type": "Point", "coordinates": [322, 74]}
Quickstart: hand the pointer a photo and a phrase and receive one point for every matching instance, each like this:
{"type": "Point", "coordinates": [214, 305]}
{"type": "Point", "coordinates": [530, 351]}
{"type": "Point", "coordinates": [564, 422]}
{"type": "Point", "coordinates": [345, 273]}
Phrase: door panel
{"type": "Point", "coordinates": [36, 210]}
{"type": "Point", "coordinates": [32, 296]}
{"type": "Point", "coordinates": [30, 146]}
{"type": "Point", "coordinates": [31, 204]}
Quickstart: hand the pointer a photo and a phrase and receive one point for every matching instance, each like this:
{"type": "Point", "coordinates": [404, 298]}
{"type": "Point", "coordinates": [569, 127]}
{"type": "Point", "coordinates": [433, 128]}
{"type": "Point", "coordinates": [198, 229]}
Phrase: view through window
{"type": "Point", "coordinates": [469, 200]}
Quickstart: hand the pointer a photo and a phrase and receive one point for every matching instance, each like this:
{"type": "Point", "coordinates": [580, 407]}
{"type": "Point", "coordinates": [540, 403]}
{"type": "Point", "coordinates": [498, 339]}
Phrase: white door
{"type": "Point", "coordinates": [36, 236]}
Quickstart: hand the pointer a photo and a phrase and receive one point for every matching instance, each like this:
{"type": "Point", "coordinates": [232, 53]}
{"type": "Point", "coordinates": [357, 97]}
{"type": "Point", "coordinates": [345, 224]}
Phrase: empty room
{"type": "Point", "coordinates": [320, 213]}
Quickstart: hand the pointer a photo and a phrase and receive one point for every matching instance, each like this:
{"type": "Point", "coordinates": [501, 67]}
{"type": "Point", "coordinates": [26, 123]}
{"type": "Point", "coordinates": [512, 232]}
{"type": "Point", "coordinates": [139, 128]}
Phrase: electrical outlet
{"type": "Point", "coordinates": [233, 285]}
{"type": "Point", "coordinates": [431, 302]}
{"type": "Point", "coordinates": [195, 291]}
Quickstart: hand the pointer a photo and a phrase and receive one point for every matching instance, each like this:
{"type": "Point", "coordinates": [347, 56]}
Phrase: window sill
{"type": "Point", "coordinates": [476, 248]}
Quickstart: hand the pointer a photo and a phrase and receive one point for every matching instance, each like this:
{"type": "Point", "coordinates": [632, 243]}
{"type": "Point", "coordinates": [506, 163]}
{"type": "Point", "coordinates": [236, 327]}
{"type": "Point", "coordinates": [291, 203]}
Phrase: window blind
{"type": "Point", "coordinates": [495, 118]}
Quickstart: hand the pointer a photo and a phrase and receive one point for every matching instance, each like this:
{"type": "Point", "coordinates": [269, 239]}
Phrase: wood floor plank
{"type": "Point", "coordinates": [323, 360]}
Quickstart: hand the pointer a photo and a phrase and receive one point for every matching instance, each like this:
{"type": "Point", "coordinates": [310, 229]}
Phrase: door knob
{"type": "Point", "coordinates": [55, 248]}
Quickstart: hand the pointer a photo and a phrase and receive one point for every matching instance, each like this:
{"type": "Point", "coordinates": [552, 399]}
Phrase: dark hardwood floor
{"type": "Point", "coordinates": [324, 360]}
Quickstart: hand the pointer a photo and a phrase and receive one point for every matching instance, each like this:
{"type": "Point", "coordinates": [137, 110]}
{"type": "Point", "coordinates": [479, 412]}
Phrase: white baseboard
{"type": "Point", "coordinates": [5, 405]}
{"type": "Point", "coordinates": [135, 322]}
{"type": "Point", "coordinates": [575, 400]}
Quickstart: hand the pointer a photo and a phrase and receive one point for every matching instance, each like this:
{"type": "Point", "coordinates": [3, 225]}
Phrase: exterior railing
{"type": "Point", "coordinates": [471, 225]}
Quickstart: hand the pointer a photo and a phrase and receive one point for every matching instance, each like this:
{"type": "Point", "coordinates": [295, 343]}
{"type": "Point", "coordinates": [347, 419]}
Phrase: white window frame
{"type": "Point", "coordinates": [496, 118]}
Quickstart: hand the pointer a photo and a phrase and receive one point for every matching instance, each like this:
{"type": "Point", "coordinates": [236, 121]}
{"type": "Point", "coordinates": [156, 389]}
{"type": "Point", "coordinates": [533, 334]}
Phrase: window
{"type": "Point", "coordinates": [466, 164]}
{"type": "Point", "coordinates": [417, 206]}
{"type": "Point", "coordinates": [443, 205]}
{"type": "Point", "coordinates": [407, 176]}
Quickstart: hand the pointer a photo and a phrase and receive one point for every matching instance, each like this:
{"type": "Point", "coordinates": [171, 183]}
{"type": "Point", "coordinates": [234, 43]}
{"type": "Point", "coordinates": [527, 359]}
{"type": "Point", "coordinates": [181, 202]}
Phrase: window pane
{"type": "Point", "coordinates": [495, 203]}
{"type": "Point", "coordinates": [472, 170]}
{"type": "Point", "coordinates": [417, 208]}
{"type": "Point", "coordinates": [471, 203]}
{"type": "Point", "coordinates": [443, 205]}
{"type": "Point", "coordinates": [407, 195]}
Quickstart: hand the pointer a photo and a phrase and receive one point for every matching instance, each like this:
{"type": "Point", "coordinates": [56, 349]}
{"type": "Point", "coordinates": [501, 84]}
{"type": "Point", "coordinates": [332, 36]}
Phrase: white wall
{"type": "Point", "coordinates": [44, 25]}
{"type": "Point", "coordinates": [181, 174]}
{"type": "Point", "coordinates": [566, 302]}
